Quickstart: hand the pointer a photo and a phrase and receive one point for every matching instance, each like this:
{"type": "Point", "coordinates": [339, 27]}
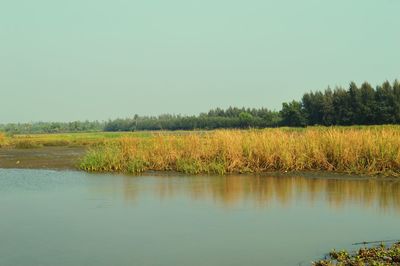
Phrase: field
{"type": "Point", "coordinates": [357, 150]}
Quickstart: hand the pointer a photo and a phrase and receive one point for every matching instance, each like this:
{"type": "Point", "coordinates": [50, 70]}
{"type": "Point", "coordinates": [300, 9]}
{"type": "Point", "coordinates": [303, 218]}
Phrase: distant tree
{"type": "Point", "coordinates": [313, 104]}
{"type": "Point", "coordinates": [328, 109]}
{"type": "Point", "coordinates": [246, 119]}
{"type": "Point", "coordinates": [368, 105]}
{"type": "Point", "coordinates": [342, 106]}
{"type": "Point", "coordinates": [385, 100]}
{"type": "Point", "coordinates": [355, 104]}
{"type": "Point", "coordinates": [396, 101]}
{"type": "Point", "coordinates": [293, 115]}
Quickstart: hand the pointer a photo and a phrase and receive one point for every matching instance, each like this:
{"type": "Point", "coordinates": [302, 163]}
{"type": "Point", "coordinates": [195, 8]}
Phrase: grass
{"type": "Point", "coordinates": [370, 150]}
{"type": "Point", "coordinates": [2, 139]}
{"type": "Point", "coordinates": [63, 139]}
{"type": "Point", "coordinates": [357, 150]}
{"type": "Point", "coordinates": [379, 256]}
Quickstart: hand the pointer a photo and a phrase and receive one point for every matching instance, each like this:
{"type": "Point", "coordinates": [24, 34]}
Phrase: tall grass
{"type": "Point", "coordinates": [366, 150]}
{"type": "Point", "coordinates": [2, 139]}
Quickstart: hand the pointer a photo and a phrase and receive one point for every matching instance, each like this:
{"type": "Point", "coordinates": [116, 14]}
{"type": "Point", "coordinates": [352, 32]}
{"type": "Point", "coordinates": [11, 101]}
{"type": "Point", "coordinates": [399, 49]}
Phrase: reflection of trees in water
{"type": "Point", "coordinates": [262, 191]}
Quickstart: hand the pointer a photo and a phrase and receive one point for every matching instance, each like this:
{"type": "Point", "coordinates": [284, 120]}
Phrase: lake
{"type": "Point", "coordinates": [75, 218]}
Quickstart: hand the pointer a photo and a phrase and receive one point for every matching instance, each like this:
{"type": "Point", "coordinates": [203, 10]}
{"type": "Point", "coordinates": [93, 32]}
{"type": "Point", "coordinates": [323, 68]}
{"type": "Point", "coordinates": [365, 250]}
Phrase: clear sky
{"type": "Point", "coordinates": [97, 59]}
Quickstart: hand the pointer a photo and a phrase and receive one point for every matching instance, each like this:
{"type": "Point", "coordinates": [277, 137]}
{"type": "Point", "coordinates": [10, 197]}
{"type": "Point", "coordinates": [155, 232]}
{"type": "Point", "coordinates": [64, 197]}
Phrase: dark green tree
{"type": "Point", "coordinates": [292, 115]}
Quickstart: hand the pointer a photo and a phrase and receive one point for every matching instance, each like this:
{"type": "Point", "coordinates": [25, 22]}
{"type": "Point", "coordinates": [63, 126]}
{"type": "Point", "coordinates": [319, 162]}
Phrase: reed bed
{"type": "Point", "coordinates": [2, 139]}
{"type": "Point", "coordinates": [367, 150]}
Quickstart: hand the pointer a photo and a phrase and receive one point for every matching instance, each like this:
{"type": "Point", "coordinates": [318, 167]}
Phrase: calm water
{"type": "Point", "coordinates": [74, 218]}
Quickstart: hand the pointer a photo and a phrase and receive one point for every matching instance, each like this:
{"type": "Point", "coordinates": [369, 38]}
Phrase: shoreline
{"type": "Point", "coordinates": [68, 158]}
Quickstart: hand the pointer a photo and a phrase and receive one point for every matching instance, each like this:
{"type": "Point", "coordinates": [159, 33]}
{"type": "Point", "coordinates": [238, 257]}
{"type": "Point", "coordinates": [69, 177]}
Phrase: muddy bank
{"type": "Point", "coordinates": [41, 158]}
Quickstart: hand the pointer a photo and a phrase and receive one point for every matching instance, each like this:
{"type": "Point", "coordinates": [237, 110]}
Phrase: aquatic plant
{"type": "Point", "coordinates": [379, 255]}
{"type": "Point", "coordinates": [369, 150]}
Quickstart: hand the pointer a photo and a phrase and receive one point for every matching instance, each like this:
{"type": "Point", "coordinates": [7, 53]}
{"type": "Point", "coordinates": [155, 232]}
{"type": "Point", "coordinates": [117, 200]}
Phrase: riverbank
{"type": "Point", "coordinates": [69, 158]}
{"type": "Point", "coordinates": [364, 151]}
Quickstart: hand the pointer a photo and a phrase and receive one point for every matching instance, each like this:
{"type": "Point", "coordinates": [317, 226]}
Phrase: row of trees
{"type": "Point", "coordinates": [218, 118]}
{"type": "Point", "coordinates": [362, 105]}
{"type": "Point", "coordinates": [52, 127]}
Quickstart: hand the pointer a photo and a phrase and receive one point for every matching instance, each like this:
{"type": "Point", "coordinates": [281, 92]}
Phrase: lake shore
{"type": "Point", "coordinates": [68, 158]}
{"type": "Point", "coordinates": [360, 151]}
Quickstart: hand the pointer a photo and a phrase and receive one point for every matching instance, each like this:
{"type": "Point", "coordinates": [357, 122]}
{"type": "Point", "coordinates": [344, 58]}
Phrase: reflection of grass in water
{"type": "Point", "coordinates": [381, 196]}
{"type": "Point", "coordinates": [360, 150]}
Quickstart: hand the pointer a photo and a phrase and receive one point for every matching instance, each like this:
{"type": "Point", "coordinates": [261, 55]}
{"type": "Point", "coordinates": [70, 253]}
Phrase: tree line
{"type": "Point", "coordinates": [363, 105]}
{"type": "Point", "coordinates": [232, 117]}
{"type": "Point", "coordinates": [52, 127]}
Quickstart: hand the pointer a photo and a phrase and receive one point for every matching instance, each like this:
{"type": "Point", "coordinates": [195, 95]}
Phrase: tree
{"type": "Point", "coordinates": [368, 105]}
{"type": "Point", "coordinates": [245, 119]}
{"type": "Point", "coordinates": [313, 104]}
{"type": "Point", "coordinates": [396, 104]}
{"type": "Point", "coordinates": [328, 108]}
{"type": "Point", "coordinates": [292, 114]}
{"type": "Point", "coordinates": [342, 107]}
{"type": "Point", "coordinates": [385, 104]}
{"type": "Point", "coordinates": [355, 104]}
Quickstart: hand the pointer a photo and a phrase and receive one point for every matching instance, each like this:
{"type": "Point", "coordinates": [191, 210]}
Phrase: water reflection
{"type": "Point", "coordinates": [233, 220]}
{"type": "Point", "coordinates": [261, 191]}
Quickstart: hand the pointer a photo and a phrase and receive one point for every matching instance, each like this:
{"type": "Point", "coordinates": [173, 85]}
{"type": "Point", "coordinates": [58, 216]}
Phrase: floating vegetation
{"type": "Point", "coordinates": [372, 151]}
{"type": "Point", "coordinates": [379, 256]}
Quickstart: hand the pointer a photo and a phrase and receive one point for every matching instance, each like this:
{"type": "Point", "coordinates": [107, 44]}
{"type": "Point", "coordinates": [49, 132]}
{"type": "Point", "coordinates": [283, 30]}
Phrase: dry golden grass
{"type": "Point", "coordinates": [2, 139]}
{"type": "Point", "coordinates": [367, 150]}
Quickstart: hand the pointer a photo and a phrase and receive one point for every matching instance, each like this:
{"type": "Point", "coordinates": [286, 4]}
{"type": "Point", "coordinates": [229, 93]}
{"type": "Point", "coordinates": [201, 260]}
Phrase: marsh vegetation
{"type": "Point", "coordinates": [369, 150]}
{"type": "Point", "coordinates": [365, 150]}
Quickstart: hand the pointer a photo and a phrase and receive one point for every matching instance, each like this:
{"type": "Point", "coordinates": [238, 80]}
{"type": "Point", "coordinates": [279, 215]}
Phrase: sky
{"type": "Point", "coordinates": [102, 59]}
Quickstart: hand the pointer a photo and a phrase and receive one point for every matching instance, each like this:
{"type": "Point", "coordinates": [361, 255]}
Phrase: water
{"type": "Point", "coordinates": [74, 218]}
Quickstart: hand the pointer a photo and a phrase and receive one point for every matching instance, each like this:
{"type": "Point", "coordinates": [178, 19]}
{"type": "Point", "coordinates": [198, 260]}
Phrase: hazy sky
{"type": "Point", "coordinates": [96, 59]}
